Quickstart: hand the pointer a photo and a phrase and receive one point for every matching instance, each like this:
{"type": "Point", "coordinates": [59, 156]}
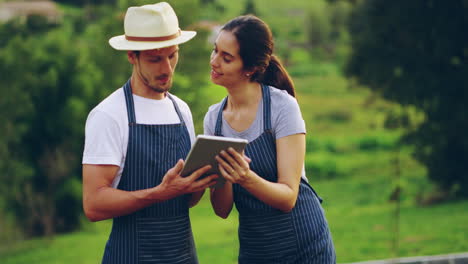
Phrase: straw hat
{"type": "Point", "coordinates": [150, 27]}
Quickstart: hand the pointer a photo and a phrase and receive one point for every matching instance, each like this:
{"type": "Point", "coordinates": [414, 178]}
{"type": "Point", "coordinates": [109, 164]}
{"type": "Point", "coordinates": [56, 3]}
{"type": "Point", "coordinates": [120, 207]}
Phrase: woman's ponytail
{"type": "Point", "coordinates": [277, 76]}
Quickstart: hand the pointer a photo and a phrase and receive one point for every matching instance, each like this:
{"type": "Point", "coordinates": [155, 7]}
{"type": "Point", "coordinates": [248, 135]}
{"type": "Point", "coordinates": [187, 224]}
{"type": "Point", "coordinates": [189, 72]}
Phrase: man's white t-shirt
{"type": "Point", "coordinates": [106, 131]}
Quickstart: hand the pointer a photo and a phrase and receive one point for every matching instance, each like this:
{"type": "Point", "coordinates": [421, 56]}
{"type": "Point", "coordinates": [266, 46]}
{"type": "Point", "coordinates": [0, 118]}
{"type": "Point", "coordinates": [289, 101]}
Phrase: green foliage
{"type": "Point", "coordinates": [413, 53]}
{"type": "Point", "coordinates": [329, 158]}
{"type": "Point", "coordinates": [317, 169]}
{"type": "Point", "coordinates": [326, 29]}
{"type": "Point", "coordinates": [380, 142]}
{"type": "Point", "coordinates": [87, 2]}
{"type": "Point", "coordinates": [33, 25]}
{"type": "Point", "coordinates": [44, 80]}
{"type": "Point", "coordinates": [250, 8]}
{"type": "Point", "coordinates": [300, 68]}
{"type": "Point", "coordinates": [319, 26]}
{"type": "Point", "coordinates": [396, 119]}
{"type": "Point", "coordinates": [335, 116]}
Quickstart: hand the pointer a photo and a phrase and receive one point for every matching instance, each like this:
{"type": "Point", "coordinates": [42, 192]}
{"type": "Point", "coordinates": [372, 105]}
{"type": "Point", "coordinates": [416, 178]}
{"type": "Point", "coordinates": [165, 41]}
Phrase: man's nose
{"type": "Point", "coordinates": [166, 66]}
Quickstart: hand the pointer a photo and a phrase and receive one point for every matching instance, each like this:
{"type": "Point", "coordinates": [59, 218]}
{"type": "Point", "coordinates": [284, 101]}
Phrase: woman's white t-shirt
{"type": "Point", "coordinates": [286, 119]}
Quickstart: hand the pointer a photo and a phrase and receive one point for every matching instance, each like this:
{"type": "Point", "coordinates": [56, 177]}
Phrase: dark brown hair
{"type": "Point", "coordinates": [256, 51]}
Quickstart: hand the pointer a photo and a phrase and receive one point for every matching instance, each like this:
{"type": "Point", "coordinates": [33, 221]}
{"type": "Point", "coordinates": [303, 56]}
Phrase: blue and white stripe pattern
{"type": "Point", "coordinates": [160, 233]}
{"type": "Point", "coordinates": [266, 234]}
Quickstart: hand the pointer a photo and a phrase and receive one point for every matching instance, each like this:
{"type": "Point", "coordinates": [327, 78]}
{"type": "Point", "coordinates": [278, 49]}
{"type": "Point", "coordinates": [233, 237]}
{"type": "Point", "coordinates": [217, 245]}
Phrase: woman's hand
{"type": "Point", "coordinates": [234, 167]}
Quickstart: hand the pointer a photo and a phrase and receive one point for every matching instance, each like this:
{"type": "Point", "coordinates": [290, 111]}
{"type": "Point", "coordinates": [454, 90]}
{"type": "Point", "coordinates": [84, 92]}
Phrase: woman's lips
{"type": "Point", "coordinates": [215, 74]}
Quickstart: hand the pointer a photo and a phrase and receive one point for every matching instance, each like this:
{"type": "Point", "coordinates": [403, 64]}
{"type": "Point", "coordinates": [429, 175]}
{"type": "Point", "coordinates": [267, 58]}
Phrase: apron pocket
{"type": "Point", "coordinates": [164, 240]}
{"type": "Point", "coordinates": [267, 236]}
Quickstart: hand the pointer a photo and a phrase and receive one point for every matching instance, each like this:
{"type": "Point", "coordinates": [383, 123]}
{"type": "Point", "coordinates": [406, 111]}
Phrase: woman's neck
{"type": "Point", "coordinates": [244, 95]}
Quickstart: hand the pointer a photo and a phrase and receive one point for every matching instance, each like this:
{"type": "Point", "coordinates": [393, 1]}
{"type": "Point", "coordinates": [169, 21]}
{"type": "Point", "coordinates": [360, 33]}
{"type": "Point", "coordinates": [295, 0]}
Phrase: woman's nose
{"type": "Point", "coordinates": [213, 60]}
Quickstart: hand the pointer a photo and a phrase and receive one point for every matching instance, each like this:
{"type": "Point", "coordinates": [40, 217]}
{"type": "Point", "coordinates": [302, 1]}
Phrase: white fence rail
{"type": "Point", "coordinates": [461, 258]}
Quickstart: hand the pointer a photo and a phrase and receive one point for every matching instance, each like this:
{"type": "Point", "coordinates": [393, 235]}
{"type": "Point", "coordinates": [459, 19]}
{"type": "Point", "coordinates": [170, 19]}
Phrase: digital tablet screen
{"type": "Point", "coordinates": [204, 151]}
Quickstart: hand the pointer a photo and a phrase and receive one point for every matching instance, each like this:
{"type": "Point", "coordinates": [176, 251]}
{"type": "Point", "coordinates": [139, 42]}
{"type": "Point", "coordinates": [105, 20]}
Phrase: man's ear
{"type": "Point", "coordinates": [131, 56]}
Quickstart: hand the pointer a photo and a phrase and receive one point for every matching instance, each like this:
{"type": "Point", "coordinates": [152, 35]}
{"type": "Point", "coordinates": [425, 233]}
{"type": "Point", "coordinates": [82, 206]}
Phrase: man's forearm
{"type": "Point", "coordinates": [109, 202]}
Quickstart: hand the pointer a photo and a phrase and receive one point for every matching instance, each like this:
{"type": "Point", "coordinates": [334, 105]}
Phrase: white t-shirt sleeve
{"type": "Point", "coordinates": [288, 119]}
{"type": "Point", "coordinates": [103, 141]}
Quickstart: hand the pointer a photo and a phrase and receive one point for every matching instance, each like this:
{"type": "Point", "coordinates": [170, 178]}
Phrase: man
{"type": "Point", "coordinates": [135, 142]}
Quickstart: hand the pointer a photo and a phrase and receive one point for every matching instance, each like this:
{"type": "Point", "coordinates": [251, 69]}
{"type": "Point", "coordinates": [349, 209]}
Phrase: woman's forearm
{"type": "Point", "coordinates": [222, 200]}
{"type": "Point", "coordinates": [195, 198]}
{"type": "Point", "coordinates": [276, 194]}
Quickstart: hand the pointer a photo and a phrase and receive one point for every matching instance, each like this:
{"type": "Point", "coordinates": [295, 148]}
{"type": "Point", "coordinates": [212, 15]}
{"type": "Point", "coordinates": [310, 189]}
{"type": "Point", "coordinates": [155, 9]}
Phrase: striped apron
{"type": "Point", "coordinates": [266, 234]}
{"type": "Point", "coordinates": [160, 233]}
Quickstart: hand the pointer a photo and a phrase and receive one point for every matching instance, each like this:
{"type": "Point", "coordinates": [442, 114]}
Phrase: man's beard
{"type": "Point", "coordinates": [160, 89]}
{"type": "Point", "coordinates": [156, 88]}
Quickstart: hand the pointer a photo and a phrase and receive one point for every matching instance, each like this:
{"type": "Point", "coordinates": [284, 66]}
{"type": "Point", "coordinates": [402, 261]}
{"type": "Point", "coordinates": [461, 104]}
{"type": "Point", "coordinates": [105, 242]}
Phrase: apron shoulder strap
{"type": "Point", "coordinates": [266, 108]}
{"type": "Point", "coordinates": [129, 102]}
{"type": "Point", "coordinates": [219, 120]}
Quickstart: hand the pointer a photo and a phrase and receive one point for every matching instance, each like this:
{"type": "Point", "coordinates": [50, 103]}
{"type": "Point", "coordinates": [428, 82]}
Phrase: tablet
{"type": "Point", "coordinates": [204, 151]}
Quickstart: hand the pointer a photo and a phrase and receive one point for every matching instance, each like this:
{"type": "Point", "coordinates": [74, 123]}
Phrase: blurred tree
{"type": "Point", "coordinates": [326, 29]}
{"type": "Point", "coordinates": [33, 25]}
{"type": "Point", "coordinates": [45, 85]}
{"type": "Point", "coordinates": [318, 26]}
{"type": "Point", "coordinates": [208, 2]}
{"type": "Point", "coordinates": [339, 12]}
{"type": "Point", "coordinates": [87, 2]}
{"type": "Point", "coordinates": [250, 8]}
{"type": "Point", "coordinates": [215, 3]}
{"type": "Point", "coordinates": [416, 53]}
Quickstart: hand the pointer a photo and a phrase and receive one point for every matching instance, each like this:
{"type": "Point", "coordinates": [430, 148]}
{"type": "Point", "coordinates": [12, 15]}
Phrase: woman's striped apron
{"type": "Point", "coordinates": [160, 233]}
{"type": "Point", "coordinates": [266, 234]}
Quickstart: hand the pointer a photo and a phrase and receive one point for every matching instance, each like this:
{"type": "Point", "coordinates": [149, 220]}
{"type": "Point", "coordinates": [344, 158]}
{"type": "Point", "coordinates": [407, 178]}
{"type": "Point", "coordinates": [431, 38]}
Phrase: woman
{"type": "Point", "coordinates": [280, 217]}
